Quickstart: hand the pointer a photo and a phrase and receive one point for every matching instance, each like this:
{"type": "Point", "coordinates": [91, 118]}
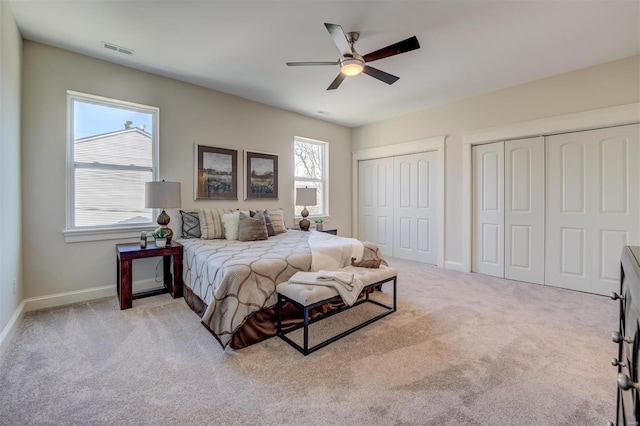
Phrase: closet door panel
{"type": "Point", "coordinates": [375, 204]}
{"type": "Point", "coordinates": [524, 210]}
{"type": "Point", "coordinates": [415, 214]}
{"type": "Point", "coordinates": [488, 209]}
{"type": "Point", "coordinates": [593, 206]}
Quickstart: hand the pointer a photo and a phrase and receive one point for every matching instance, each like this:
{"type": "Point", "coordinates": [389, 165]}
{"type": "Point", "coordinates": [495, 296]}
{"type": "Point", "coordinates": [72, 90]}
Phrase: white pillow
{"type": "Point", "coordinates": [231, 221]}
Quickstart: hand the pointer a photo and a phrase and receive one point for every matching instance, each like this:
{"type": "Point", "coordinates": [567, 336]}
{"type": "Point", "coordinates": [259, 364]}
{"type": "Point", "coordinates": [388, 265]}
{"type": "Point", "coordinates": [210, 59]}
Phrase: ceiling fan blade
{"type": "Point", "coordinates": [304, 64]}
{"type": "Point", "coordinates": [339, 38]}
{"type": "Point", "coordinates": [339, 79]}
{"type": "Point", "coordinates": [380, 75]}
{"type": "Point", "coordinates": [394, 49]}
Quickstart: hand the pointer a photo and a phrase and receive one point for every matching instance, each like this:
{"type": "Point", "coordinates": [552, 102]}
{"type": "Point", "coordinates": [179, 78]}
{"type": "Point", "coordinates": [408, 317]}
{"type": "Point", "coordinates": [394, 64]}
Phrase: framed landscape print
{"type": "Point", "coordinates": [216, 174]}
{"type": "Point", "coordinates": [261, 175]}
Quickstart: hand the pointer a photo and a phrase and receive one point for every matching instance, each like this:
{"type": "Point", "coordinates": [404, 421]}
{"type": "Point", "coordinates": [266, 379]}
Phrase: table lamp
{"type": "Point", "coordinates": [306, 197]}
{"type": "Point", "coordinates": [161, 195]}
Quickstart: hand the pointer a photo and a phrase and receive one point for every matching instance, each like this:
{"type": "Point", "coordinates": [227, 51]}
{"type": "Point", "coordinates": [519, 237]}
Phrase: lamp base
{"type": "Point", "coordinates": [305, 224]}
{"type": "Point", "coordinates": [163, 221]}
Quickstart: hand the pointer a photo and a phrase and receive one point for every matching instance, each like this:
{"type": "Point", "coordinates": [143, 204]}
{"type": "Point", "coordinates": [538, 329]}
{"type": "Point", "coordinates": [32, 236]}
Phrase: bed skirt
{"type": "Point", "coordinates": [262, 324]}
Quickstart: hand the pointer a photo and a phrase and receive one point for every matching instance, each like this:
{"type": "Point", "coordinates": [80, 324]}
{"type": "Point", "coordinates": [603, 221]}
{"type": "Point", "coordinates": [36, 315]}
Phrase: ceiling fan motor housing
{"type": "Point", "coordinates": [351, 66]}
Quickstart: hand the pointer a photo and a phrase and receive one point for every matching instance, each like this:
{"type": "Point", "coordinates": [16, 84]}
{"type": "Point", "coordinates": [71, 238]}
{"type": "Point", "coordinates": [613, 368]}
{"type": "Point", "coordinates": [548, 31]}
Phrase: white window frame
{"type": "Point", "coordinates": [325, 175]}
{"type": "Point", "coordinates": [74, 233]}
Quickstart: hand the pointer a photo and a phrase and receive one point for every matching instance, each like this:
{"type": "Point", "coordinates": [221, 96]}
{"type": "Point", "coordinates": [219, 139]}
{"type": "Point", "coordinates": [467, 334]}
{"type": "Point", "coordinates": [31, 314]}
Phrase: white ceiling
{"type": "Point", "coordinates": [240, 47]}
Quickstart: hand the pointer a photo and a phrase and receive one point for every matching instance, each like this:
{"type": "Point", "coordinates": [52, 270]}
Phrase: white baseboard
{"type": "Point", "coordinates": [11, 327]}
{"type": "Point", "coordinates": [67, 298]}
{"type": "Point", "coordinates": [61, 299]}
{"type": "Point", "coordinates": [456, 266]}
{"type": "Point", "coordinates": [148, 284]}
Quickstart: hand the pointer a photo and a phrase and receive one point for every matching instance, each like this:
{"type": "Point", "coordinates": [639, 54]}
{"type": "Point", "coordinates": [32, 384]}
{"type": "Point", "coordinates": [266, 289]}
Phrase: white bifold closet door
{"type": "Point", "coordinates": [508, 209]}
{"type": "Point", "coordinates": [557, 210]}
{"type": "Point", "coordinates": [415, 235]}
{"type": "Point", "coordinates": [375, 192]}
{"type": "Point", "coordinates": [524, 210]}
{"type": "Point", "coordinates": [592, 206]}
{"type": "Point", "coordinates": [398, 205]}
{"type": "Point", "coordinates": [488, 209]}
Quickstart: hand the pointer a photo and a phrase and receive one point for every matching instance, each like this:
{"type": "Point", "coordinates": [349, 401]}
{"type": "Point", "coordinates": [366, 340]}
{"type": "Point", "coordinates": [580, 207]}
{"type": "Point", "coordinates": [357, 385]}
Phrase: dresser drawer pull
{"type": "Point", "coordinates": [625, 383]}
{"type": "Point", "coordinates": [616, 337]}
{"type": "Point", "coordinates": [616, 363]}
{"type": "Point", "coordinates": [616, 296]}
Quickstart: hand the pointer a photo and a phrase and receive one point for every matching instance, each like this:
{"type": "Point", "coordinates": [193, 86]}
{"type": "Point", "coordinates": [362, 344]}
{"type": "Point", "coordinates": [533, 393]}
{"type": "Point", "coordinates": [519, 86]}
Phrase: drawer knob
{"type": "Point", "coordinates": [616, 337]}
{"type": "Point", "coordinates": [625, 383]}
{"type": "Point", "coordinates": [616, 296]}
{"type": "Point", "coordinates": [616, 363]}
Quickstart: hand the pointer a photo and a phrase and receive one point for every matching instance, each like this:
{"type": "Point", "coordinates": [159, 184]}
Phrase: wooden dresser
{"type": "Point", "coordinates": [627, 338]}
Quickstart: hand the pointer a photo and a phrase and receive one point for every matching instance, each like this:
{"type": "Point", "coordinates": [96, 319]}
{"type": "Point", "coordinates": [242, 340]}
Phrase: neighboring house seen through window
{"type": "Point", "coordinates": [312, 171]}
{"type": "Point", "coordinates": [112, 150]}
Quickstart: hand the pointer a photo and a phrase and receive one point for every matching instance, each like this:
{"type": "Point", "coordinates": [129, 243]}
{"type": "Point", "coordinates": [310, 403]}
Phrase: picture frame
{"type": "Point", "coordinates": [215, 173]}
{"type": "Point", "coordinates": [261, 175]}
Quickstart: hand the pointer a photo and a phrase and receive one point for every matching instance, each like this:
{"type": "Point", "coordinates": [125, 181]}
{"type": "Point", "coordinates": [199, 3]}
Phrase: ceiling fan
{"type": "Point", "coordinates": [352, 63]}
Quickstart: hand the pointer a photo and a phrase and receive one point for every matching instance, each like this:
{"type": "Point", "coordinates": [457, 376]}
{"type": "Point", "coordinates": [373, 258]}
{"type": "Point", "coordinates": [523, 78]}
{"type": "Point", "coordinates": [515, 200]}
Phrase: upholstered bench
{"type": "Point", "coordinates": [307, 297]}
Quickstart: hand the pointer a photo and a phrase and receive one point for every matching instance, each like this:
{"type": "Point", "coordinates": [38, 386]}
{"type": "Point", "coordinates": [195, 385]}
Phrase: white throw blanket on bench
{"type": "Point", "coordinates": [346, 284]}
{"type": "Point", "coordinates": [329, 252]}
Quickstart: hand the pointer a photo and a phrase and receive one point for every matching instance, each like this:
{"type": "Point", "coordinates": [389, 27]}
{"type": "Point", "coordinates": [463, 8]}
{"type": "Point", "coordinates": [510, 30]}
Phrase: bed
{"type": "Point", "coordinates": [231, 284]}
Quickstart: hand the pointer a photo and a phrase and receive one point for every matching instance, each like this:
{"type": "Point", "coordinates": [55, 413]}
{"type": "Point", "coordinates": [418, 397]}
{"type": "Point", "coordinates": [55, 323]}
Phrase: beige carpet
{"type": "Point", "coordinates": [463, 349]}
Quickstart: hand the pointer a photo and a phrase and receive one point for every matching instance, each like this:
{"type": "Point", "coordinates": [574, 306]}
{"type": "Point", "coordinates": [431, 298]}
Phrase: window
{"type": "Point", "coordinates": [112, 152]}
{"type": "Point", "coordinates": [311, 170]}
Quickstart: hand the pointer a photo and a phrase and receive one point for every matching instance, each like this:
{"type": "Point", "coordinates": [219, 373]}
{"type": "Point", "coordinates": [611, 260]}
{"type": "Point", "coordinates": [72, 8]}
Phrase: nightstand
{"type": "Point", "coordinates": [330, 231]}
{"type": "Point", "coordinates": [126, 253]}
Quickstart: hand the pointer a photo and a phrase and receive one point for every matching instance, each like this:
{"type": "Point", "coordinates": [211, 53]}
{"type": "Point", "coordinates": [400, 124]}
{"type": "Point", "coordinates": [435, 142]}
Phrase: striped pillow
{"type": "Point", "coordinates": [277, 217]}
{"type": "Point", "coordinates": [211, 222]}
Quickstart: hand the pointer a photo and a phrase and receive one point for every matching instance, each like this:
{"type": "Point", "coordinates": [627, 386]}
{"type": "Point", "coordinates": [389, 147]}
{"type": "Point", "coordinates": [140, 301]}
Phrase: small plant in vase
{"type": "Point", "coordinates": [161, 237]}
{"type": "Point", "coordinates": [319, 225]}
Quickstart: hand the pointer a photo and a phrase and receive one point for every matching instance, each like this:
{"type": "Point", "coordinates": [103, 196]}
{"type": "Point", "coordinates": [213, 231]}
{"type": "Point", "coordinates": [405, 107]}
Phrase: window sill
{"type": "Point", "coordinates": [100, 234]}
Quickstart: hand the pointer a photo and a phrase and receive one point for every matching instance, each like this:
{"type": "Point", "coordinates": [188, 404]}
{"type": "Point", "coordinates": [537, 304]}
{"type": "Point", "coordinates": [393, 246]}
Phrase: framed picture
{"type": "Point", "coordinates": [216, 173]}
{"type": "Point", "coordinates": [261, 175]}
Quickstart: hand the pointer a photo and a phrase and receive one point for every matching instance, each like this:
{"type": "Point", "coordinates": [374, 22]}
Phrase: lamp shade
{"type": "Point", "coordinates": [161, 195]}
{"type": "Point", "coordinates": [306, 197]}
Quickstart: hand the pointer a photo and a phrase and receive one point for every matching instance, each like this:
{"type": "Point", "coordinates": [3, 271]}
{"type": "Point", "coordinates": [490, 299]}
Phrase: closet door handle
{"type": "Point", "coordinates": [616, 337]}
{"type": "Point", "coordinates": [616, 296]}
{"type": "Point", "coordinates": [616, 363]}
{"type": "Point", "coordinates": [625, 383]}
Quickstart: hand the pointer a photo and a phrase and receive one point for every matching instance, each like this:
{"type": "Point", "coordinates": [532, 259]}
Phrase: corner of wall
{"type": "Point", "coordinates": [11, 276]}
{"type": "Point", "coordinates": [10, 329]}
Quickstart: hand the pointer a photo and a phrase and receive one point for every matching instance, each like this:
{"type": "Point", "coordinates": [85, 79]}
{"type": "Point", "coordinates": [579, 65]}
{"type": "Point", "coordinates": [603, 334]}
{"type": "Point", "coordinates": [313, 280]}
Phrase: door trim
{"type": "Point", "coordinates": [605, 117]}
{"type": "Point", "coordinates": [436, 143]}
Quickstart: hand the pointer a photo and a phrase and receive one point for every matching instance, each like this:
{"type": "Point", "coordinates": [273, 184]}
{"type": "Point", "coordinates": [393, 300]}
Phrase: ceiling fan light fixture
{"type": "Point", "coordinates": [351, 66]}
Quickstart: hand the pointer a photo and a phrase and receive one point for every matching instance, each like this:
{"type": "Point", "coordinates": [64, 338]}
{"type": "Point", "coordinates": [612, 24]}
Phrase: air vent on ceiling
{"type": "Point", "coordinates": [117, 48]}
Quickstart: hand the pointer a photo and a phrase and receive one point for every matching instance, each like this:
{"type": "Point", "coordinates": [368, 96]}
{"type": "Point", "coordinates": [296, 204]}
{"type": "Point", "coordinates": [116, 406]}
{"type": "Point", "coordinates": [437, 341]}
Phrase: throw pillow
{"type": "Point", "coordinates": [252, 228]}
{"type": "Point", "coordinates": [277, 217]}
{"type": "Point", "coordinates": [230, 222]}
{"type": "Point", "coordinates": [211, 222]}
{"type": "Point", "coordinates": [190, 225]}
{"type": "Point", "coordinates": [271, 230]}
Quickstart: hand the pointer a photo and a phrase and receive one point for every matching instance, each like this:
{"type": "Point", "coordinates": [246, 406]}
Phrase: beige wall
{"type": "Point", "coordinates": [188, 115]}
{"type": "Point", "coordinates": [605, 85]}
{"type": "Point", "coordinates": [10, 202]}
